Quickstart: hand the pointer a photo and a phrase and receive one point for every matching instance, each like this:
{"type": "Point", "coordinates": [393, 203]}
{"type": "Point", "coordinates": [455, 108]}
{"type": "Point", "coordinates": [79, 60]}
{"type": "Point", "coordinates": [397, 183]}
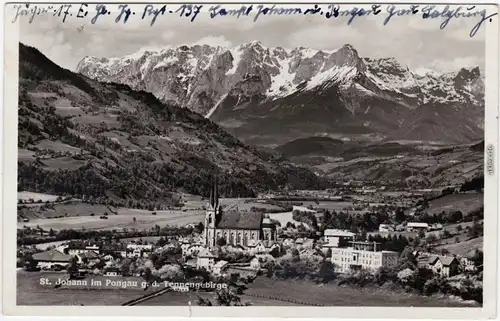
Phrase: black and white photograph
{"type": "Point", "coordinates": [253, 155]}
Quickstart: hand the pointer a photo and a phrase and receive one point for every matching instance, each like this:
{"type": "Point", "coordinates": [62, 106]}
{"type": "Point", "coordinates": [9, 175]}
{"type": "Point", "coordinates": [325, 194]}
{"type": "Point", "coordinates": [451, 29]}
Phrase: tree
{"type": "Point", "coordinates": [445, 252]}
{"type": "Point", "coordinates": [478, 259]}
{"type": "Point", "coordinates": [134, 220]}
{"type": "Point", "coordinates": [431, 238]}
{"type": "Point", "coordinates": [326, 272]}
{"type": "Point", "coordinates": [407, 259]}
{"type": "Point", "coordinates": [475, 231]}
{"type": "Point", "coordinates": [29, 263]}
{"type": "Point", "coordinates": [125, 267]}
{"type": "Point", "coordinates": [221, 241]}
{"type": "Point", "coordinates": [400, 215]}
{"type": "Point", "coordinates": [148, 275]}
{"type": "Point", "coordinates": [199, 228]}
{"type": "Point", "coordinates": [421, 234]}
{"type": "Point", "coordinates": [275, 252]}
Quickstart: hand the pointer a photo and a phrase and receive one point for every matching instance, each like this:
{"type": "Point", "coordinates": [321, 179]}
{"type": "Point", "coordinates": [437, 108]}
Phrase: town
{"type": "Point", "coordinates": [349, 236]}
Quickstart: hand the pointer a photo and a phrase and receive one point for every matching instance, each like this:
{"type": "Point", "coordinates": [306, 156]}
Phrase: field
{"type": "Point", "coordinates": [25, 196]}
{"type": "Point", "coordinates": [268, 292]}
{"type": "Point", "coordinates": [77, 215]}
{"type": "Point", "coordinates": [466, 203]}
{"type": "Point", "coordinates": [31, 292]}
{"type": "Point", "coordinates": [284, 218]}
{"type": "Point", "coordinates": [124, 219]}
{"type": "Point", "coordinates": [308, 293]}
{"type": "Point", "coordinates": [262, 292]}
{"type": "Point", "coordinates": [332, 206]}
{"type": "Point", "coordinates": [44, 246]}
{"type": "Point", "coordinates": [149, 239]}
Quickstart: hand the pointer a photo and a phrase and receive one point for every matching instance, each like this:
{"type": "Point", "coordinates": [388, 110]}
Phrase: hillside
{"type": "Point", "coordinates": [250, 88]}
{"type": "Point", "coordinates": [80, 137]}
{"type": "Point", "coordinates": [325, 146]}
{"type": "Point", "coordinates": [408, 166]}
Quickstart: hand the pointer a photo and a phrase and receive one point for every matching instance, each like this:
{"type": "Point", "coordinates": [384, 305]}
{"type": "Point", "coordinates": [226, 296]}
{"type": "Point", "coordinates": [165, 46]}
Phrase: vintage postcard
{"type": "Point", "coordinates": [235, 159]}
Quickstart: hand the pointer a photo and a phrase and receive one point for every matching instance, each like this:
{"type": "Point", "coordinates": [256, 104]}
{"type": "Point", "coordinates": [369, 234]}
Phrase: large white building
{"type": "Point", "coordinates": [362, 256]}
{"type": "Point", "coordinates": [417, 226]}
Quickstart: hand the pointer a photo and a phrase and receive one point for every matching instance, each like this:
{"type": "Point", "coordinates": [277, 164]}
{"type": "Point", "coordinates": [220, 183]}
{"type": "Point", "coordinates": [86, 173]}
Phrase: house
{"type": "Point", "coordinates": [109, 256]}
{"type": "Point", "coordinates": [219, 267]}
{"type": "Point", "coordinates": [77, 247]}
{"type": "Point", "coordinates": [362, 256]}
{"type": "Point", "coordinates": [260, 247]}
{"type": "Point", "coordinates": [112, 271]}
{"type": "Point", "coordinates": [205, 260]}
{"type": "Point", "coordinates": [193, 249]}
{"type": "Point", "coordinates": [185, 244]}
{"type": "Point", "coordinates": [417, 226]}
{"type": "Point", "coordinates": [445, 266]}
{"type": "Point", "coordinates": [51, 258]}
{"type": "Point", "coordinates": [89, 257]}
{"type": "Point", "coordinates": [139, 250]}
{"type": "Point", "coordinates": [114, 249]}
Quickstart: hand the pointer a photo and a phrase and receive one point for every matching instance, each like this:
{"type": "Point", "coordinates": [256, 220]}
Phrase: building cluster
{"type": "Point", "coordinates": [349, 255]}
{"type": "Point", "coordinates": [90, 253]}
{"type": "Point", "coordinates": [255, 235]}
{"type": "Point", "coordinates": [445, 266]}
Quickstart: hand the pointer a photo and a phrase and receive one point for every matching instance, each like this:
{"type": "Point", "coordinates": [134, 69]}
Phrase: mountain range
{"type": "Point", "coordinates": [271, 96]}
{"type": "Point", "coordinates": [78, 136]}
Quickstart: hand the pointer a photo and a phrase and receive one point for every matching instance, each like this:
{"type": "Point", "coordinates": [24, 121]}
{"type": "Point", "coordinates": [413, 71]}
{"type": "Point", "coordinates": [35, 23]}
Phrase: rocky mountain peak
{"type": "Point", "coordinates": [215, 80]}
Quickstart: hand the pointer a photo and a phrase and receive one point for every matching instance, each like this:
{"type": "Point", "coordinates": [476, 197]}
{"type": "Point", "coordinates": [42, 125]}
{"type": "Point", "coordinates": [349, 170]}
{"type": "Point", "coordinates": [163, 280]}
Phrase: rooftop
{"type": "Point", "coordinates": [220, 264]}
{"type": "Point", "coordinates": [335, 232]}
{"type": "Point", "coordinates": [205, 253]}
{"type": "Point", "coordinates": [89, 255]}
{"type": "Point", "coordinates": [417, 224]}
{"type": "Point", "coordinates": [238, 220]}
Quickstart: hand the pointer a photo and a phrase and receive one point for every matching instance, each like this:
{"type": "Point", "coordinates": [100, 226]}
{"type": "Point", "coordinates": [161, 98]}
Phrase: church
{"type": "Point", "coordinates": [236, 228]}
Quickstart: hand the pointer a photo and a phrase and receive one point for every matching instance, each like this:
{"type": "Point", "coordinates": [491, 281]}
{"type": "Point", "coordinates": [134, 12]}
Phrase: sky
{"type": "Point", "coordinates": [413, 41]}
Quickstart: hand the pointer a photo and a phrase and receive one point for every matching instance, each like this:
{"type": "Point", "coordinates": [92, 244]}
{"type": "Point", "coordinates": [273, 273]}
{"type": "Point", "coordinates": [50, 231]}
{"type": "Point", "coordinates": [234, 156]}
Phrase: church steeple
{"type": "Point", "coordinates": [216, 194]}
{"type": "Point", "coordinates": [211, 201]}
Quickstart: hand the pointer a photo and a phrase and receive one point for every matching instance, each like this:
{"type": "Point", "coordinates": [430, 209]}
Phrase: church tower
{"type": "Point", "coordinates": [213, 214]}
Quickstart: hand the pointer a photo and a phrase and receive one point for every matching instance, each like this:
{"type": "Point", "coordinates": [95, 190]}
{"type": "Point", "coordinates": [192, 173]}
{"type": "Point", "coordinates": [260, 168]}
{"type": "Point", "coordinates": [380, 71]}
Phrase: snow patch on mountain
{"type": "Point", "coordinates": [214, 108]}
{"type": "Point", "coordinates": [200, 77]}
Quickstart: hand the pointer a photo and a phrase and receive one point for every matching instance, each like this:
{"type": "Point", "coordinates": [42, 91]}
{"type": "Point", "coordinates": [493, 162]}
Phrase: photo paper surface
{"type": "Point", "coordinates": [233, 159]}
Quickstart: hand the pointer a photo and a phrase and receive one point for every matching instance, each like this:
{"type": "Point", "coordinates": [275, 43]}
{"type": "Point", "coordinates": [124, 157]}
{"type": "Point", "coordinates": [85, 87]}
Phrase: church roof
{"type": "Point", "coordinates": [241, 221]}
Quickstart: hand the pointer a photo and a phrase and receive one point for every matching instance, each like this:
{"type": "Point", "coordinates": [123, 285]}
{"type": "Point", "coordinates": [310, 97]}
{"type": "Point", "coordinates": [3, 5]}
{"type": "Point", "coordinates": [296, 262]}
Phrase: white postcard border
{"type": "Point", "coordinates": [11, 40]}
